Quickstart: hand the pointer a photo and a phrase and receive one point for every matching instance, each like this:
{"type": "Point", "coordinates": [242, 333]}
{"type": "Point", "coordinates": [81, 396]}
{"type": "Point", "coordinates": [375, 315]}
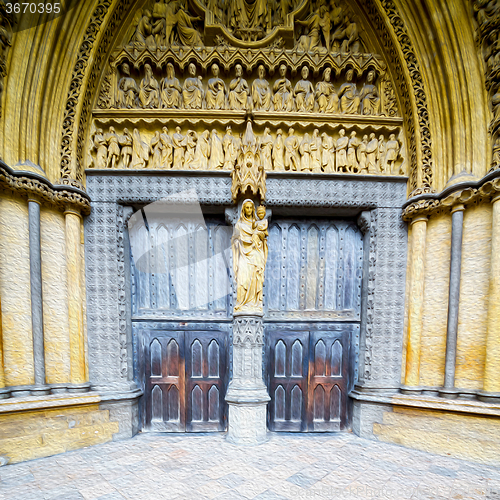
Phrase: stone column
{"type": "Point", "coordinates": [247, 395]}
{"type": "Point", "coordinates": [36, 297]}
{"type": "Point", "coordinates": [491, 380]}
{"type": "Point", "coordinates": [76, 334]}
{"type": "Point", "coordinates": [4, 393]}
{"type": "Point", "coordinates": [415, 306]}
{"type": "Point", "coordinates": [457, 221]}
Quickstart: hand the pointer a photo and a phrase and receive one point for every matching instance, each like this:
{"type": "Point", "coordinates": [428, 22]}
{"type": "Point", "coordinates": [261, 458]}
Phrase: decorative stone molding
{"type": "Point", "coordinates": [6, 24]}
{"type": "Point", "coordinates": [248, 330]}
{"type": "Point", "coordinates": [32, 185]}
{"type": "Point", "coordinates": [466, 193]}
{"type": "Point", "coordinates": [421, 172]}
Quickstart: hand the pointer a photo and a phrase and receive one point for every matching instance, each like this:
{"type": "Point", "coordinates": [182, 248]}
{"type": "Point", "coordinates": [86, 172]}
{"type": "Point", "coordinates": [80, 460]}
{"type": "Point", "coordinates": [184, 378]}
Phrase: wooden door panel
{"type": "Point", "coordinates": [184, 380]}
{"type": "Point", "coordinates": [205, 381]}
{"type": "Point", "coordinates": [328, 380]}
{"type": "Point", "coordinates": [287, 380]}
{"type": "Point", "coordinates": [164, 381]}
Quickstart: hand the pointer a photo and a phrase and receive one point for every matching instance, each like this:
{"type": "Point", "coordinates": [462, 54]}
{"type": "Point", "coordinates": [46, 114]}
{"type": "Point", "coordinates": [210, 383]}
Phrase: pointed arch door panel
{"type": "Point", "coordinates": [309, 375]}
{"type": "Point", "coordinates": [184, 379]}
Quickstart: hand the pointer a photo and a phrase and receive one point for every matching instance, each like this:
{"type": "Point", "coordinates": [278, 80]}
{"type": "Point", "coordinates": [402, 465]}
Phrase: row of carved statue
{"type": "Point", "coordinates": [239, 95]}
{"type": "Point", "coordinates": [208, 151]}
{"type": "Point", "coordinates": [169, 22]}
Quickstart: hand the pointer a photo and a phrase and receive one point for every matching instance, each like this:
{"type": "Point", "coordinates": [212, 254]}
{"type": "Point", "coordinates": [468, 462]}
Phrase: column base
{"type": "Point", "coordinates": [411, 391]}
{"type": "Point", "coordinates": [247, 424]}
{"type": "Point", "coordinates": [488, 397]}
{"type": "Point", "coordinates": [449, 393]}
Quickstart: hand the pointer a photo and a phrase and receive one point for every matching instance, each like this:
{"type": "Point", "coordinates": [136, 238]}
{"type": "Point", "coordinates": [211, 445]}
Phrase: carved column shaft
{"type": "Point", "coordinates": [416, 301]}
{"type": "Point", "coordinates": [491, 381]}
{"type": "Point", "coordinates": [36, 296]}
{"type": "Point", "coordinates": [457, 221]}
{"type": "Point", "coordinates": [76, 334]}
{"type": "Point", "coordinates": [2, 374]}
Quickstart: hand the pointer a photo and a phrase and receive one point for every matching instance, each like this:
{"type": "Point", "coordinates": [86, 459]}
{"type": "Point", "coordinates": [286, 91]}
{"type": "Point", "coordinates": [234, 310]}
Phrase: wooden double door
{"type": "Point", "coordinates": [309, 373]}
{"type": "Point", "coordinates": [185, 380]}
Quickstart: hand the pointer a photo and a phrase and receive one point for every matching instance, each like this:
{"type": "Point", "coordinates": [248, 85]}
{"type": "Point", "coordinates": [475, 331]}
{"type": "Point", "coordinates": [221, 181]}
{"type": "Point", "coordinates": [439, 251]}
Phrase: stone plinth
{"type": "Point", "coordinates": [247, 395]}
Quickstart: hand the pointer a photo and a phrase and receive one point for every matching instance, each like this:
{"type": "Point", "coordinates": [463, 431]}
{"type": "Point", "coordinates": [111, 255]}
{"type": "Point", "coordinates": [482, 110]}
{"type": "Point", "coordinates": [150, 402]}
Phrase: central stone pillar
{"type": "Point", "coordinates": [247, 394]}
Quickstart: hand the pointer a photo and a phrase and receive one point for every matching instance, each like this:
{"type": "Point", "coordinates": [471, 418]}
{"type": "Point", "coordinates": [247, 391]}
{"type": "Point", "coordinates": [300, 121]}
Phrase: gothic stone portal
{"type": "Point", "coordinates": [182, 324]}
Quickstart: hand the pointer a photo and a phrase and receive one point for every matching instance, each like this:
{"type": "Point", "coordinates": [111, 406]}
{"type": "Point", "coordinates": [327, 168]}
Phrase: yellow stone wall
{"type": "Point", "coordinates": [41, 433]}
{"type": "Point", "coordinates": [437, 277]}
{"type": "Point", "coordinates": [55, 296]}
{"type": "Point", "coordinates": [15, 291]}
{"type": "Point", "coordinates": [474, 289]}
{"type": "Point", "coordinates": [465, 436]}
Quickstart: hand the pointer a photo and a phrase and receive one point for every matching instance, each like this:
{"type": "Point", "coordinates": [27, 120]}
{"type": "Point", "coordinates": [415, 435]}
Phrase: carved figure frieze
{"type": "Point", "coordinates": [247, 154]}
{"type": "Point", "coordinates": [163, 90]}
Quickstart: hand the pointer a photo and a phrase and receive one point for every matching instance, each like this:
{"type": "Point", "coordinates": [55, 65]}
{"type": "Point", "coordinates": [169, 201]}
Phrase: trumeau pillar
{"type": "Point", "coordinates": [491, 380]}
{"type": "Point", "coordinates": [416, 302]}
{"type": "Point", "coordinates": [247, 395]}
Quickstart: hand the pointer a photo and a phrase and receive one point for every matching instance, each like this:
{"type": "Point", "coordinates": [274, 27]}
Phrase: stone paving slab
{"type": "Point", "coordinates": [287, 467]}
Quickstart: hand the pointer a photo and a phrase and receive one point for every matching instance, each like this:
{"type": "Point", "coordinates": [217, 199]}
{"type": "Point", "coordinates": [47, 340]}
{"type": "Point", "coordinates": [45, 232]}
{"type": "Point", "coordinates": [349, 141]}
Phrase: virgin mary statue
{"type": "Point", "coordinates": [249, 259]}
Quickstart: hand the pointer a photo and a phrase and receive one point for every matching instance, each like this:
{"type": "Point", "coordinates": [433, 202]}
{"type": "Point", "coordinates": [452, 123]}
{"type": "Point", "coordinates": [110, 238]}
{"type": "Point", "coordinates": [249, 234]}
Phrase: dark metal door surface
{"type": "Point", "coordinates": [308, 378]}
{"type": "Point", "coordinates": [184, 380]}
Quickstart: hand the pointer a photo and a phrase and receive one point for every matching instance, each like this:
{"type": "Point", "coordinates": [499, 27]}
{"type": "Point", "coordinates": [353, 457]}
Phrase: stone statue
{"type": "Point", "coordinates": [347, 34]}
{"type": "Point", "coordinates": [149, 90]}
{"type": "Point", "coordinates": [170, 90]}
{"type": "Point", "coordinates": [249, 259]}
{"type": "Point", "coordinates": [326, 97]}
{"type": "Point", "coordinates": [369, 96]}
{"type": "Point", "coordinates": [140, 151]}
{"type": "Point", "coordinates": [266, 146]}
{"type": "Point", "coordinates": [311, 40]}
{"type": "Point", "coordinates": [101, 157]}
{"type": "Point", "coordinates": [304, 92]}
{"type": "Point", "coordinates": [216, 152]}
{"type": "Point", "coordinates": [349, 98]}
{"type": "Point", "coordinates": [125, 141]}
{"type": "Point", "coordinates": [216, 91]}
{"type": "Point", "coordinates": [305, 154]}
{"type": "Point", "coordinates": [315, 151]}
{"type": "Point", "coordinates": [159, 22]}
{"type": "Point", "coordinates": [192, 91]}
{"type": "Point", "coordinates": [238, 90]}
{"type": "Point", "coordinates": [230, 149]}
{"type": "Point", "coordinates": [278, 151]}
{"type": "Point", "coordinates": [261, 92]}
{"type": "Point", "coordinates": [292, 159]}
{"type": "Point", "coordinates": [327, 156]}
{"type": "Point", "coordinates": [352, 162]}
{"type": "Point", "coordinates": [187, 34]}
{"type": "Point", "coordinates": [178, 146]}
{"type": "Point", "coordinates": [341, 152]}
{"type": "Point", "coordinates": [381, 154]}
{"type": "Point", "coordinates": [171, 8]}
{"type": "Point", "coordinates": [190, 145]}
{"type": "Point", "coordinates": [202, 152]}
{"type": "Point", "coordinates": [166, 149]}
{"type": "Point", "coordinates": [392, 153]}
{"type": "Point", "coordinates": [155, 146]}
{"type": "Point", "coordinates": [143, 34]}
{"type": "Point", "coordinates": [371, 154]}
{"type": "Point", "coordinates": [361, 154]}
{"type": "Point", "coordinates": [283, 96]}
{"type": "Point", "coordinates": [113, 148]}
{"type": "Point", "coordinates": [127, 89]}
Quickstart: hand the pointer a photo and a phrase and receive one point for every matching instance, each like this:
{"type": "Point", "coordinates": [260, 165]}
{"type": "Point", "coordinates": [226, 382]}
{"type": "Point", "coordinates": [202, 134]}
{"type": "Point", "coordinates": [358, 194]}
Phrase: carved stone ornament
{"type": "Point", "coordinates": [6, 24]}
{"type": "Point", "coordinates": [482, 191]}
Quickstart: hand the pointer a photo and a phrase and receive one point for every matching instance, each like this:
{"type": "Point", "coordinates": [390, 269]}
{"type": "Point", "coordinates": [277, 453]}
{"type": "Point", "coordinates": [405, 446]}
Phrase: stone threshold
{"type": "Point", "coordinates": [33, 403]}
{"type": "Point", "coordinates": [429, 403]}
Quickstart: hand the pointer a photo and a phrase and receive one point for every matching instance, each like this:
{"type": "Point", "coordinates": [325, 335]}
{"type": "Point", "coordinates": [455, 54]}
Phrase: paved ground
{"type": "Point", "coordinates": [289, 466]}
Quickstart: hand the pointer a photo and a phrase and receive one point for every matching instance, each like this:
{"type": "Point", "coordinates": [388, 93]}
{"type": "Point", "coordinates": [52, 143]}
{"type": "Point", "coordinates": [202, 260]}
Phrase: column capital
{"type": "Point", "coordinates": [459, 207]}
{"type": "Point", "coordinates": [420, 218]}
